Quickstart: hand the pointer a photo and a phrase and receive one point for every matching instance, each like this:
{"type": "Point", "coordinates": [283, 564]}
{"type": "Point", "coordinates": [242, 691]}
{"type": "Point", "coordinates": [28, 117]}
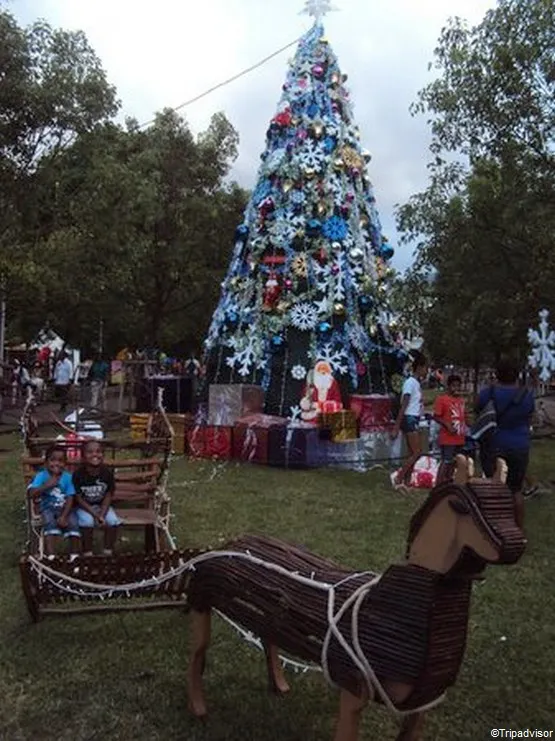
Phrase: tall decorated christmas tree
{"type": "Point", "coordinates": [308, 281]}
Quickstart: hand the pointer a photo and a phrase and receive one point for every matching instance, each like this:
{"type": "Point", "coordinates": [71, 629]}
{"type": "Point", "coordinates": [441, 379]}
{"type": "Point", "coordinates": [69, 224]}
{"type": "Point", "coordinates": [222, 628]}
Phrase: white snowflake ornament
{"type": "Point", "coordinates": [304, 316]}
{"type": "Point", "coordinates": [543, 348]}
{"type": "Point", "coordinates": [298, 372]}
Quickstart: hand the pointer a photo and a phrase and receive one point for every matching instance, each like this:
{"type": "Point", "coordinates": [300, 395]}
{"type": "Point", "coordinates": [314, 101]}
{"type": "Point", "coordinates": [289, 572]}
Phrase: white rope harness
{"type": "Point", "coordinates": [355, 600]}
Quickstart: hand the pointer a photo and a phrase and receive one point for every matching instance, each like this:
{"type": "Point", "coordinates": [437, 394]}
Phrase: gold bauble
{"type": "Point", "coordinates": [339, 309]}
{"type": "Point", "coordinates": [283, 306]}
{"type": "Point", "coordinates": [338, 163]}
{"type": "Point", "coordinates": [364, 221]}
{"type": "Point", "coordinates": [322, 208]}
{"type": "Point", "coordinates": [235, 282]}
{"type": "Point", "coordinates": [287, 185]}
{"type": "Point", "coordinates": [318, 129]}
{"type": "Point", "coordinates": [310, 172]}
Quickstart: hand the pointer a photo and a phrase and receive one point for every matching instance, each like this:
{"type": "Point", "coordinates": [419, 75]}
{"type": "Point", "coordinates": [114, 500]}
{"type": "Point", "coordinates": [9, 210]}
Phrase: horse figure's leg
{"type": "Point", "coordinates": [276, 678]}
{"type": "Point", "coordinates": [411, 729]}
{"type": "Point", "coordinates": [200, 639]}
{"type": "Point", "coordinates": [350, 710]}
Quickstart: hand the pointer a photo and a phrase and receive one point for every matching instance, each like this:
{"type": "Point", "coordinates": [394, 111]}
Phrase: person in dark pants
{"type": "Point", "coordinates": [514, 407]}
{"type": "Point", "coordinates": [63, 371]}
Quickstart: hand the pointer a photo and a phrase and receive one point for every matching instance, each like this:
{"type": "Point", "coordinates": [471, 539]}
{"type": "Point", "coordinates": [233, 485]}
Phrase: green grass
{"type": "Point", "coordinates": [122, 676]}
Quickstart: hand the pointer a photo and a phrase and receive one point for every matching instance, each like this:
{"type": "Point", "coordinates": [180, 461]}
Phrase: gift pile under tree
{"type": "Point", "coordinates": [303, 311]}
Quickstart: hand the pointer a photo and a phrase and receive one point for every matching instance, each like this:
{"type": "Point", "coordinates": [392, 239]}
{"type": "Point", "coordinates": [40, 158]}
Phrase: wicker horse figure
{"type": "Point", "coordinates": [399, 638]}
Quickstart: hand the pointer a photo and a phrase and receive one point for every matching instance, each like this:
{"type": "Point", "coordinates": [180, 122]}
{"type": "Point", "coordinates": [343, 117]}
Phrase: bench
{"type": "Point", "coordinates": [139, 500]}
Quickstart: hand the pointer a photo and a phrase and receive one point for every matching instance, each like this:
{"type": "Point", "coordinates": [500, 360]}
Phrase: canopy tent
{"type": "Point", "coordinates": [48, 338]}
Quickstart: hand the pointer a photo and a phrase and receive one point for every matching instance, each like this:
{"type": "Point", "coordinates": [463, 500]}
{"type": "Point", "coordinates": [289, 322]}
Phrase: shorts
{"type": "Point", "coordinates": [410, 423]}
{"type": "Point", "coordinates": [448, 452]}
{"type": "Point", "coordinates": [51, 527]}
{"type": "Point", "coordinates": [85, 519]}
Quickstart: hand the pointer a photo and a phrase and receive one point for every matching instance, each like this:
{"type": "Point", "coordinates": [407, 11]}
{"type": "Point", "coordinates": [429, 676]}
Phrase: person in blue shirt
{"type": "Point", "coordinates": [53, 488]}
{"type": "Point", "coordinates": [514, 407]}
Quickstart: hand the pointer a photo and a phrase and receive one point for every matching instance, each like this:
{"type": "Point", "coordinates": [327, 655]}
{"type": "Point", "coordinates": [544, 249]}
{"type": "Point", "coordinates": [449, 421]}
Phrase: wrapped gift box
{"type": "Point", "coordinates": [296, 446]}
{"type": "Point", "coordinates": [371, 449]}
{"type": "Point", "coordinates": [250, 437]}
{"type": "Point", "coordinates": [348, 454]}
{"type": "Point", "coordinates": [228, 403]}
{"type": "Point", "coordinates": [343, 425]}
{"type": "Point", "coordinates": [372, 412]}
{"type": "Point", "coordinates": [209, 441]}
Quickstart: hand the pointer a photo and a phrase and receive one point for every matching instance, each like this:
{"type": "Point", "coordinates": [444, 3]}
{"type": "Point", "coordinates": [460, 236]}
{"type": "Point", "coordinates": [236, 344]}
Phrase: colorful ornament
{"type": "Point", "coordinates": [313, 228]}
{"type": "Point", "coordinates": [299, 266]}
{"type": "Point", "coordinates": [335, 228]}
{"type": "Point", "coordinates": [272, 292]}
{"type": "Point", "coordinates": [324, 328]}
{"type": "Point", "coordinates": [242, 233]}
{"type": "Point", "coordinates": [339, 309]}
{"type": "Point", "coordinates": [351, 158]}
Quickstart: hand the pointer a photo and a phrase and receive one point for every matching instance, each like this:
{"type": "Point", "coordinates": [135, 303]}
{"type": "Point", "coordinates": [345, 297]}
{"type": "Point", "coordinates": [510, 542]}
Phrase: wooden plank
{"type": "Point", "coordinates": [104, 607]}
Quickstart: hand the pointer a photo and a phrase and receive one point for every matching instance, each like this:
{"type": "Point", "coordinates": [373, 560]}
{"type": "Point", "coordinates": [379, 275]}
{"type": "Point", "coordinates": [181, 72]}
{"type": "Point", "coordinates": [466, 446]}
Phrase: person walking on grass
{"type": "Point", "coordinates": [98, 376]}
{"type": "Point", "coordinates": [514, 407]}
{"type": "Point", "coordinates": [408, 420]}
{"type": "Point", "coordinates": [53, 488]}
{"type": "Point", "coordinates": [63, 371]}
{"type": "Point", "coordinates": [94, 487]}
{"type": "Point", "coordinates": [450, 415]}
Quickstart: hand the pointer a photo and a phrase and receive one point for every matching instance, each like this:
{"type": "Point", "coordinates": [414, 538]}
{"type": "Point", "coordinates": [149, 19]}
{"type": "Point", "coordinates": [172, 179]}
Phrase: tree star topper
{"type": "Point", "coordinates": [318, 9]}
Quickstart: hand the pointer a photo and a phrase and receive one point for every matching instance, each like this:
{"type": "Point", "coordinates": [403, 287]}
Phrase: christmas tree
{"type": "Point", "coordinates": [308, 279]}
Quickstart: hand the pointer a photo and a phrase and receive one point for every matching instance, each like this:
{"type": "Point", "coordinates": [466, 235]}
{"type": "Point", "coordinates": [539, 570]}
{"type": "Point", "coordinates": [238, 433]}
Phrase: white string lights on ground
{"type": "Point", "coordinates": [75, 586]}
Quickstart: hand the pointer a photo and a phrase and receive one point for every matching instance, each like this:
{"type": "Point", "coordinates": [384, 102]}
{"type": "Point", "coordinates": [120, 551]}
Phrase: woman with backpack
{"type": "Point", "coordinates": [513, 407]}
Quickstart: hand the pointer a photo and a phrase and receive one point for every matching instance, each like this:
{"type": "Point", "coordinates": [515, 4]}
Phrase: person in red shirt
{"type": "Point", "coordinates": [450, 414]}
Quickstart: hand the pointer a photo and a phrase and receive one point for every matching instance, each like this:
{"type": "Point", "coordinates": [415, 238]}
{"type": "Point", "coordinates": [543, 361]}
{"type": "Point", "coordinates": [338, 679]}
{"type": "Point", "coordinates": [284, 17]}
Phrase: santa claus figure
{"type": "Point", "coordinates": [272, 292]}
{"type": "Point", "coordinates": [321, 394]}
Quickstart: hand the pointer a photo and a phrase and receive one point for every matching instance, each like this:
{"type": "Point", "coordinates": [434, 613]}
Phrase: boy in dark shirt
{"type": "Point", "coordinates": [94, 487]}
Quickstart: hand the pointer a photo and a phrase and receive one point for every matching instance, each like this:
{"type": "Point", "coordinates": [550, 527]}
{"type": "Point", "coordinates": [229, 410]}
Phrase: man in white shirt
{"type": "Point", "coordinates": [63, 371]}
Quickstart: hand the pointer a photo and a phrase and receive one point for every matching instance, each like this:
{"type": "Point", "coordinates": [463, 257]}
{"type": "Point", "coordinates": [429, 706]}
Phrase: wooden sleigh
{"type": "Point", "coordinates": [398, 639]}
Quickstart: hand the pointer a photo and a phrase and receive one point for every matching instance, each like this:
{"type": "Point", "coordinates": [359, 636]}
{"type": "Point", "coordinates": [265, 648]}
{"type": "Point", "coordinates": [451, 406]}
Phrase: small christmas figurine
{"type": "Point", "coordinates": [272, 292]}
{"type": "Point", "coordinates": [321, 394]}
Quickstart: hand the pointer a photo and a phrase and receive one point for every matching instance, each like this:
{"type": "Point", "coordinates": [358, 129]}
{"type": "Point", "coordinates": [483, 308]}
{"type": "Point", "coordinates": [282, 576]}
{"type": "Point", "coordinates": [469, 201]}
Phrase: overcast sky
{"type": "Point", "coordinates": [165, 52]}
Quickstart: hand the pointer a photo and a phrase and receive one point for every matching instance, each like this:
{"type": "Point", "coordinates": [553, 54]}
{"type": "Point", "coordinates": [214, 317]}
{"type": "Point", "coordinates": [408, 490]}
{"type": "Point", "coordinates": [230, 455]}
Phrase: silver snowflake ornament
{"type": "Point", "coordinates": [304, 316]}
{"type": "Point", "coordinates": [298, 372]}
{"type": "Point", "coordinates": [543, 348]}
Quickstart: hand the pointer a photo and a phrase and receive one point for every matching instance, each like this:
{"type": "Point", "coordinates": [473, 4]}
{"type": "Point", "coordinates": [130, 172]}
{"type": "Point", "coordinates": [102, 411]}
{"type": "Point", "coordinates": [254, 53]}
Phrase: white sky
{"type": "Point", "coordinates": [163, 53]}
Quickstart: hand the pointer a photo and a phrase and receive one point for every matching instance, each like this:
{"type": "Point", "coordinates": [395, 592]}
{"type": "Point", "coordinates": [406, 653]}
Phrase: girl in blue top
{"type": "Point", "coordinates": [514, 407]}
{"type": "Point", "coordinates": [53, 488]}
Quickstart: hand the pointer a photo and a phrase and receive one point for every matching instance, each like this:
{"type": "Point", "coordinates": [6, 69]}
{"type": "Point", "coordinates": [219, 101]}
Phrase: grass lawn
{"type": "Point", "coordinates": [122, 676]}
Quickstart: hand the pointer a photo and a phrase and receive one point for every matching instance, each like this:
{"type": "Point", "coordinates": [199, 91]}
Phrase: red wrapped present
{"type": "Point", "coordinates": [250, 437]}
{"type": "Point", "coordinates": [210, 442]}
{"type": "Point", "coordinates": [372, 412]}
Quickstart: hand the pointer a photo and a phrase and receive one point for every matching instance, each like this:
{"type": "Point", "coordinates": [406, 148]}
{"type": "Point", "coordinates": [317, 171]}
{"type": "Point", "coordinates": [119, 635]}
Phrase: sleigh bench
{"type": "Point", "coordinates": [63, 585]}
{"type": "Point", "coordinates": [139, 500]}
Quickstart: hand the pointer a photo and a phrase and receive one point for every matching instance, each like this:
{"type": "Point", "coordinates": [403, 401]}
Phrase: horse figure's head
{"type": "Point", "coordinates": [465, 524]}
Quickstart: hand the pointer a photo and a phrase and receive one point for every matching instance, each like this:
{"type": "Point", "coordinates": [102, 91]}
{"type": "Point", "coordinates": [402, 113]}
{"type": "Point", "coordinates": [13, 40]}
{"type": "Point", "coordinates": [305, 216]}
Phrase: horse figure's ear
{"type": "Point", "coordinates": [460, 507]}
